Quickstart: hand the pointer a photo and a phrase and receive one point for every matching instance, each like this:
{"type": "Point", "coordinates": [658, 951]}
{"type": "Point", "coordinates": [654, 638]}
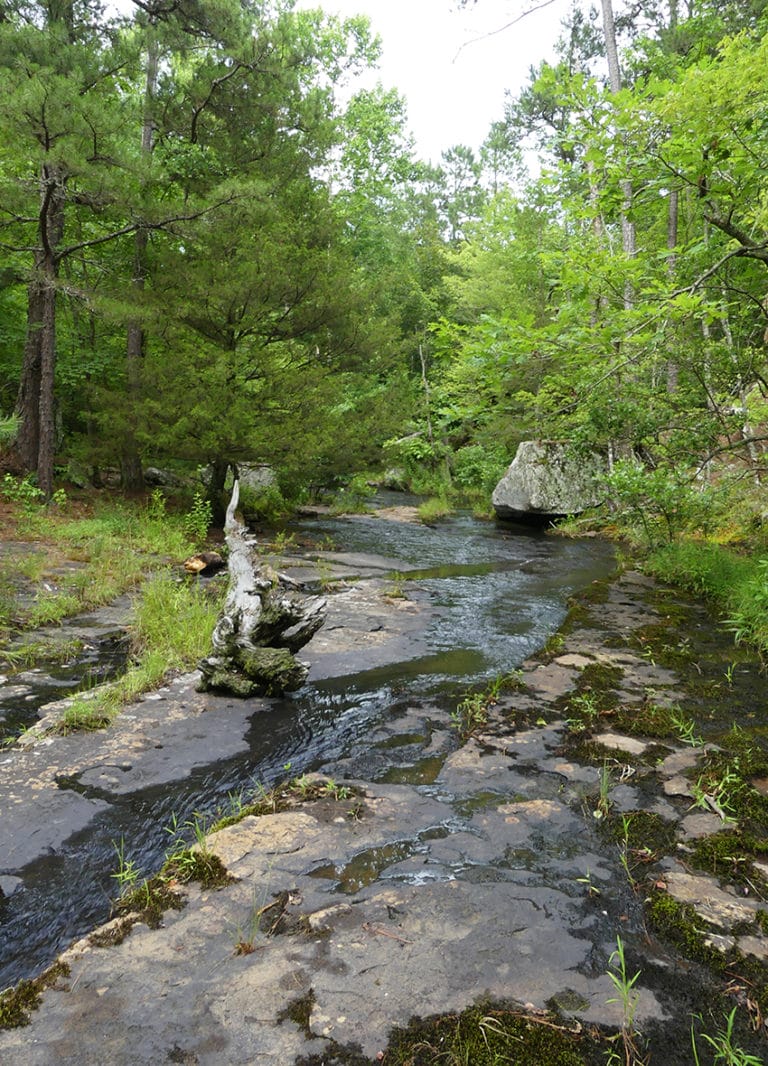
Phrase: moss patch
{"type": "Point", "coordinates": [149, 901]}
{"type": "Point", "coordinates": [599, 677]}
{"type": "Point", "coordinates": [644, 833]}
{"type": "Point", "coordinates": [485, 1037]}
{"type": "Point", "coordinates": [294, 793]}
{"type": "Point", "coordinates": [194, 865]}
{"type": "Point", "coordinates": [113, 933]}
{"type": "Point", "coordinates": [18, 1002]}
{"type": "Point", "coordinates": [727, 776]}
{"type": "Point", "coordinates": [679, 924]}
{"type": "Point", "coordinates": [728, 855]}
{"type": "Point", "coordinates": [661, 643]}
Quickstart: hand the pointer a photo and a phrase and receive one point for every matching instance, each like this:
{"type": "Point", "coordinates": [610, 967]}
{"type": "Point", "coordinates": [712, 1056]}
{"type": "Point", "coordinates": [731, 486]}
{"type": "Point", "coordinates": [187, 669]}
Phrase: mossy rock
{"type": "Point", "coordinates": [487, 1036]}
{"type": "Point", "coordinates": [260, 672]}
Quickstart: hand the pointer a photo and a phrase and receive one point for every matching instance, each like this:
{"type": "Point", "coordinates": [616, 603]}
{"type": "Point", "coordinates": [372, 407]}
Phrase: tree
{"type": "Point", "coordinates": [56, 70]}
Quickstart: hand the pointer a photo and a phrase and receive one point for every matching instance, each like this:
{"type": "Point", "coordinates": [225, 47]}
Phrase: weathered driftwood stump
{"type": "Point", "coordinates": [264, 620]}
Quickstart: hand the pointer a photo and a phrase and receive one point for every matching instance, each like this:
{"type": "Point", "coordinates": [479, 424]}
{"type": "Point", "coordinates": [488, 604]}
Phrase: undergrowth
{"type": "Point", "coordinates": [737, 585]}
{"type": "Point", "coordinates": [172, 632]}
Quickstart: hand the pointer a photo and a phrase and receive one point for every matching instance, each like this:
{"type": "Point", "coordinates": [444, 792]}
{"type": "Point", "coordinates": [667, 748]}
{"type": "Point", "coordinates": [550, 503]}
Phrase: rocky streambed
{"type": "Point", "coordinates": [495, 847]}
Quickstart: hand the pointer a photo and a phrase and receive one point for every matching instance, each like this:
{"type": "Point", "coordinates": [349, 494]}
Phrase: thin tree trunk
{"type": "Point", "coordinates": [132, 475]}
{"type": "Point", "coordinates": [47, 444]}
{"type": "Point", "coordinates": [219, 468]}
{"type": "Point", "coordinates": [747, 431]}
{"type": "Point", "coordinates": [672, 224]}
{"type": "Point", "coordinates": [425, 386]}
{"type": "Point", "coordinates": [628, 240]}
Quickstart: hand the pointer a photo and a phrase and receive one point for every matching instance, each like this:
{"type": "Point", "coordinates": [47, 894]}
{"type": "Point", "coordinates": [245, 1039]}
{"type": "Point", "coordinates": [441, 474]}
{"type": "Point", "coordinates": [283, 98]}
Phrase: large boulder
{"type": "Point", "coordinates": [546, 481]}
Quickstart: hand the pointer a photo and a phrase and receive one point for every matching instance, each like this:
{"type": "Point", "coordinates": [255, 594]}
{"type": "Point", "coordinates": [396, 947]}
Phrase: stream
{"type": "Point", "coordinates": [495, 594]}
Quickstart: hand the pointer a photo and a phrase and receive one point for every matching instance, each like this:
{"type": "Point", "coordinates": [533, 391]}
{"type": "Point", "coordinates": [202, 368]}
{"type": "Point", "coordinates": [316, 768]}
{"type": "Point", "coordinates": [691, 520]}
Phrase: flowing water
{"type": "Point", "coordinates": [497, 594]}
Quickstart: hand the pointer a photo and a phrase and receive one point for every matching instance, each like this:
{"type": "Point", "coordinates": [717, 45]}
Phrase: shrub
{"type": "Point", "coordinates": [660, 504]}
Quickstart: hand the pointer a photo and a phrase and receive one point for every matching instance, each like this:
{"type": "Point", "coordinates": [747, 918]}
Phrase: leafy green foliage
{"type": "Point", "coordinates": [737, 584]}
{"type": "Point", "coordinates": [660, 502]}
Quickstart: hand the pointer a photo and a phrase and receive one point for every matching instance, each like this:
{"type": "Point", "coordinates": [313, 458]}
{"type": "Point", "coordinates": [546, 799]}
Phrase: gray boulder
{"type": "Point", "coordinates": [546, 481]}
{"type": "Point", "coordinates": [155, 475]}
{"type": "Point", "coordinates": [256, 476]}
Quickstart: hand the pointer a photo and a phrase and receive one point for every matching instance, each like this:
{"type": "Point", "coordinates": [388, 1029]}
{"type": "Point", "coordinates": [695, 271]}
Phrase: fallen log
{"type": "Point", "coordinates": [264, 621]}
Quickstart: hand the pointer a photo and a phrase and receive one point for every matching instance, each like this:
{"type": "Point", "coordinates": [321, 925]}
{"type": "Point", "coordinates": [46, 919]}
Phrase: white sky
{"type": "Point", "coordinates": [454, 93]}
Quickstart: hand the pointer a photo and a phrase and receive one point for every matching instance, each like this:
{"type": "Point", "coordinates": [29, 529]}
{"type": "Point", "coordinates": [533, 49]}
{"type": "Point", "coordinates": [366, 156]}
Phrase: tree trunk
{"type": "Point", "coordinates": [218, 480]}
{"type": "Point", "coordinates": [47, 444]}
{"type": "Point", "coordinates": [672, 223]}
{"type": "Point", "coordinates": [132, 476]}
{"type": "Point", "coordinates": [264, 620]}
{"type": "Point", "coordinates": [614, 76]}
{"type": "Point", "coordinates": [28, 400]}
{"type": "Point", "coordinates": [36, 397]}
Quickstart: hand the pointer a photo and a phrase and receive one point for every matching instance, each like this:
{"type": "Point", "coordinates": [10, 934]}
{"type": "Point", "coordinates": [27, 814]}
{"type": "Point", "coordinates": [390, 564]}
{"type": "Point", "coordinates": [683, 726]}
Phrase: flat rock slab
{"type": "Point", "coordinates": [182, 994]}
{"type": "Point", "coordinates": [363, 564]}
{"type": "Point", "coordinates": [167, 735]}
{"type": "Point", "coordinates": [366, 628]}
{"type": "Point", "coordinates": [491, 881]}
{"type": "Point", "coordinates": [713, 903]}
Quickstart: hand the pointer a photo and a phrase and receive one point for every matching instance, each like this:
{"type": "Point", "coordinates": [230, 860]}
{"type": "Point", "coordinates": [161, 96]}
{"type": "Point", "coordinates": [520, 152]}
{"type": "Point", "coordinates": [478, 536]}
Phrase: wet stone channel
{"type": "Point", "coordinates": [455, 871]}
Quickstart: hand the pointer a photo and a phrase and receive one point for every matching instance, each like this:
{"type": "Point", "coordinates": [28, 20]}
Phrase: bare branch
{"type": "Point", "coordinates": [750, 248]}
{"type": "Point", "coordinates": [735, 253]}
{"type": "Point", "coordinates": [492, 33]}
{"type": "Point", "coordinates": [124, 230]}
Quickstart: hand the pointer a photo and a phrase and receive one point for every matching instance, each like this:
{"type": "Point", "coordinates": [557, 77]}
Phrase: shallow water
{"type": "Point", "coordinates": [498, 593]}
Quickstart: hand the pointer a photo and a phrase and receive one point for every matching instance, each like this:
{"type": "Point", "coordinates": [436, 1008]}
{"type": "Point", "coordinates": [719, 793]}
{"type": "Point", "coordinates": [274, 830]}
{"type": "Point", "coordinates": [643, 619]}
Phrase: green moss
{"type": "Point", "coordinates": [727, 774]}
{"type": "Point", "coordinates": [114, 933]}
{"type": "Point", "coordinates": [193, 864]}
{"type": "Point", "coordinates": [641, 832]}
{"type": "Point", "coordinates": [729, 854]}
{"type": "Point", "coordinates": [679, 924]}
{"type": "Point", "coordinates": [651, 720]}
{"type": "Point", "coordinates": [486, 1037]}
{"type": "Point", "coordinates": [18, 1002]}
{"type": "Point", "coordinates": [591, 753]}
{"type": "Point", "coordinates": [149, 901]}
{"type": "Point", "coordinates": [599, 677]}
{"type": "Point", "coordinates": [661, 642]}
{"type": "Point", "coordinates": [334, 1054]}
{"type": "Point", "coordinates": [300, 790]}
{"type": "Point", "coordinates": [597, 592]}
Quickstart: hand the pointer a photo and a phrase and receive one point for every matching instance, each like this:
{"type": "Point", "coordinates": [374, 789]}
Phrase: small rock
{"type": "Point", "coordinates": [701, 824]}
{"type": "Point", "coordinates": [322, 921]}
{"type": "Point", "coordinates": [711, 902]}
{"type": "Point", "coordinates": [678, 786]}
{"type": "Point", "coordinates": [8, 885]}
{"type": "Point", "coordinates": [753, 945]}
{"type": "Point", "coordinates": [579, 661]}
{"type": "Point", "coordinates": [679, 760]}
{"type": "Point", "coordinates": [204, 562]}
{"type": "Point", "coordinates": [719, 943]}
{"type": "Point", "coordinates": [617, 742]}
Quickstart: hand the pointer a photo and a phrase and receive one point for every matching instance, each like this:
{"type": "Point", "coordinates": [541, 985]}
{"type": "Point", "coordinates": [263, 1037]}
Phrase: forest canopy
{"type": "Point", "coordinates": [219, 249]}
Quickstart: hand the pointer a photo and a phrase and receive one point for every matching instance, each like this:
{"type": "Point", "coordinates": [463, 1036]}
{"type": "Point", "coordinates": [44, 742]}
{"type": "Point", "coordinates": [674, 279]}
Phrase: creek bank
{"type": "Point", "coordinates": [451, 875]}
{"type": "Point", "coordinates": [52, 785]}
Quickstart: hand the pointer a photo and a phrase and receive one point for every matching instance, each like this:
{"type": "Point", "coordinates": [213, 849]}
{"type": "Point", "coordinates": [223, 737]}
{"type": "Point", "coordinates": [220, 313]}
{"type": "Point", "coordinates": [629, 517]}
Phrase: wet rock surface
{"type": "Point", "coordinates": [431, 876]}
